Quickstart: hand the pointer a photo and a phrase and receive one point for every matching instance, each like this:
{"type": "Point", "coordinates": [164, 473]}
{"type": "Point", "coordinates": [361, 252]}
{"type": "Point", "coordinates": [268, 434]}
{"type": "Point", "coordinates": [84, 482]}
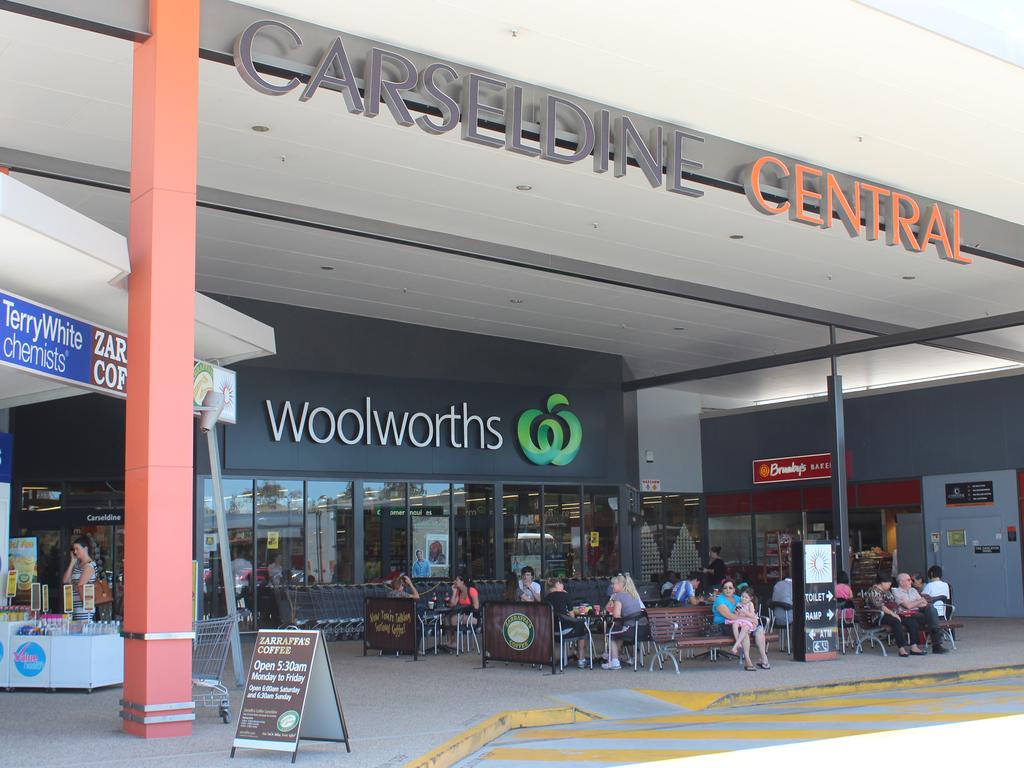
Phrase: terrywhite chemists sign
{"type": "Point", "coordinates": [44, 342]}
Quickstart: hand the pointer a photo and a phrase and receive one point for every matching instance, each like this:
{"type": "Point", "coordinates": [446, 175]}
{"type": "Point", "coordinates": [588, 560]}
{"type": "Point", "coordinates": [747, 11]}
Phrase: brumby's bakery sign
{"type": "Point", "coordinates": [816, 466]}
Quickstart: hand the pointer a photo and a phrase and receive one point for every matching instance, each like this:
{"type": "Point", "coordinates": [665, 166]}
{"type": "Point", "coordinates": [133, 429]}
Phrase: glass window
{"type": "Point", "coordinates": [430, 507]}
{"type": "Point", "coordinates": [561, 549]}
{"type": "Point", "coordinates": [329, 533]}
{"type": "Point", "coordinates": [773, 555]}
{"type": "Point", "coordinates": [520, 507]}
{"type": "Point", "coordinates": [474, 530]}
{"type": "Point", "coordinates": [732, 534]}
{"type": "Point", "coordinates": [652, 563]}
{"type": "Point", "coordinates": [384, 529]}
{"type": "Point", "coordinates": [682, 533]}
{"type": "Point", "coordinates": [280, 548]}
{"type": "Point", "coordinates": [601, 531]}
{"type": "Point", "coordinates": [41, 498]}
{"type": "Point", "coordinates": [238, 509]}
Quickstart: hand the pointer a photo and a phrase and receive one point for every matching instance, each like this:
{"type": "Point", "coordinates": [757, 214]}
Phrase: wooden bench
{"type": "Point", "coordinates": [685, 628]}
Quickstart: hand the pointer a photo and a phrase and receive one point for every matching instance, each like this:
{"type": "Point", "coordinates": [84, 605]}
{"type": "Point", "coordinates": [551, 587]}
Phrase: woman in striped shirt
{"type": "Point", "coordinates": [81, 571]}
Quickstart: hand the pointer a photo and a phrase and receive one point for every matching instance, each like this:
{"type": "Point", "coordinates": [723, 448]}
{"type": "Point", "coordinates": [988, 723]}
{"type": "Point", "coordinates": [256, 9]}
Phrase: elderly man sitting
{"type": "Point", "coordinates": [913, 607]}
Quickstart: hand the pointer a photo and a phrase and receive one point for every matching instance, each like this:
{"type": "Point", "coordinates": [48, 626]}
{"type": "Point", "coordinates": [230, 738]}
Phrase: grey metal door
{"type": "Point", "coordinates": [910, 542]}
{"type": "Point", "coordinates": [975, 573]}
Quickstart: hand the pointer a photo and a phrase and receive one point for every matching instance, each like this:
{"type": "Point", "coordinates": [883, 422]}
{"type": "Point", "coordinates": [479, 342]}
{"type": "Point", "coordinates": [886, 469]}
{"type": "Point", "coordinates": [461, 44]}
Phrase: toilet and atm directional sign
{"type": "Point", "coordinates": [815, 613]}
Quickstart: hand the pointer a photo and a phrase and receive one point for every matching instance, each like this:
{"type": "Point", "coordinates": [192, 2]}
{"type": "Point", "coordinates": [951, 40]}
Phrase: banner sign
{"type": "Point", "coordinates": [522, 632]}
{"type": "Point", "coordinates": [23, 560]}
{"type": "Point", "coordinates": [289, 694]}
{"type": "Point", "coordinates": [979, 493]}
{"type": "Point", "coordinates": [815, 616]}
{"type": "Point", "coordinates": [390, 625]}
{"type": "Point", "coordinates": [39, 339]}
{"type": "Point", "coordinates": [815, 466]}
{"type": "Point", "coordinates": [42, 341]}
{"type": "Point", "coordinates": [6, 456]}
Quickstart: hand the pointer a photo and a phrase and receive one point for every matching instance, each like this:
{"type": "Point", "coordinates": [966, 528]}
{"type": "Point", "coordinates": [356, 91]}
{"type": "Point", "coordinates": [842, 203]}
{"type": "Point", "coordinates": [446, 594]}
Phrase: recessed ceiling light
{"type": "Point", "coordinates": [736, 237]}
{"type": "Point", "coordinates": [910, 277]}
{"type": "Point", "coordinates": [261, 128]}
{"type": "Point", "coordinates": [515, 301]}
{"type": "Point", "coordinates": [678, 328]}
{"type": "Point", "coordinates": [523, 187]}
{"type": "Point", "coordinates": [326, 268]}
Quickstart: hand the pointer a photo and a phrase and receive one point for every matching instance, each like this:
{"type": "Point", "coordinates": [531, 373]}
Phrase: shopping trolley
{"type": "Point", "coordinates": [209, 654]}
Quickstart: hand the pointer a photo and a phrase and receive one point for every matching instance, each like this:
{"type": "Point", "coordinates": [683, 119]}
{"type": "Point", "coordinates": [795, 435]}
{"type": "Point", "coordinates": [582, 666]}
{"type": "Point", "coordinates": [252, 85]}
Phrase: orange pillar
{"type": "Point", "coordinates": [161, 319]}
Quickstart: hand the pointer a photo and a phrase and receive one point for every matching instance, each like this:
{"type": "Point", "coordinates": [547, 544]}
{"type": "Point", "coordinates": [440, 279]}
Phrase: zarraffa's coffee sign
{"type": "Point", "coordinates": [312, 421]}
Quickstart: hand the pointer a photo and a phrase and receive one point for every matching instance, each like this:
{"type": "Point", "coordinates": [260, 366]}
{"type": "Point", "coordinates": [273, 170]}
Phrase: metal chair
{"type": "Point", "coordinates": [785, 636]}
{"type": "Point", "coordinates": [564, 625]}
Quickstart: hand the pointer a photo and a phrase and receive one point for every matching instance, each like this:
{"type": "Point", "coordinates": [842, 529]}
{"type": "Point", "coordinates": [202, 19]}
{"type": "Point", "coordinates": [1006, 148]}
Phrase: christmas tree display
{"type": "Point", "coordinates": [685, 557]}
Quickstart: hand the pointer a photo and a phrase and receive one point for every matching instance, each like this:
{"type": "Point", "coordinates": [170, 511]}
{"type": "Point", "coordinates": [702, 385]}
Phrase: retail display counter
{"type": "Point", "coordinates": [59, 661]}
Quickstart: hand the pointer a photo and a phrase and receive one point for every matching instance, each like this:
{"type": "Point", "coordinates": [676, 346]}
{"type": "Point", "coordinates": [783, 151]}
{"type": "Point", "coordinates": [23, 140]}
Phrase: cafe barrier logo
{"type": "Point", "coordinates": [287, 721]}
{"type": "Point", "coordinates": [552, 437]}
{"type": "Point", "coordinates": [518, 631]}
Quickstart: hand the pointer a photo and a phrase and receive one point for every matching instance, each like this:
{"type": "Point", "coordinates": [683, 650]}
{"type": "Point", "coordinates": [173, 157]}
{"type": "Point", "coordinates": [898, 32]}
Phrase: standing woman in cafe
{"type": "Point", "coordinates": [724, 608]}
{"type": "Point", "coordinates": [715, 568]}
{"type": "Point", "coordinates": [80, 571]}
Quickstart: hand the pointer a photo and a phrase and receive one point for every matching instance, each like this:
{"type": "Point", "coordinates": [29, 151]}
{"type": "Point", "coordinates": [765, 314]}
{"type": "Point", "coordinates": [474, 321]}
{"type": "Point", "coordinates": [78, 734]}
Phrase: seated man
{"type": "Point", "coordinates": [910, 601]}
{"type": "Point", "coordinates": [936, 591]}
{"type": "Point", "coordinates": [561, 603]}
{"type": "Point", "coordinates": [685, 591]}
{"type": "Point", "coordinates": [529, 590]}
{"type": "Point", "coordinates": [783, 593]}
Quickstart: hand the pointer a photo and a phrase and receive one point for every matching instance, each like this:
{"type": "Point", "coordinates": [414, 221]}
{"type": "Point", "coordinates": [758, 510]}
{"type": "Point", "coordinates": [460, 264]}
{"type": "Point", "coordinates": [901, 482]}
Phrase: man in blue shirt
{"type": "Point", "coordinates": [685, 591]}
{"type": "Point", "coordinates": [420, 568]}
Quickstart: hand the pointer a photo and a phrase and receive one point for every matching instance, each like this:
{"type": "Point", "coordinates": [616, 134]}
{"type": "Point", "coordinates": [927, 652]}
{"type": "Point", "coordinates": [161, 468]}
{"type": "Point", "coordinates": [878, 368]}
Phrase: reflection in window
{"type": "Point", "coordinates": [385, 540]}
{"type": "Point", "coordinates": [474, 530]}
{"type": "Point", "coordinates": [430, 513]}
{"type": "Point", "coordinates": [238, 509]}
{"type": "Point", "coordinates": [41, 497]}
{"type": "Point", "coordinates": [732, 534]}
{"type": "Point", "coordinates": [521, 521]}
{"type": "Point", "coordinates": [561, 531]}
{"type": "Point", "coordinates": [329, 533]}
{"type": "Point", "coordinates": [279, 544]}
{"type": "Point", "coordinates": [601, 531]}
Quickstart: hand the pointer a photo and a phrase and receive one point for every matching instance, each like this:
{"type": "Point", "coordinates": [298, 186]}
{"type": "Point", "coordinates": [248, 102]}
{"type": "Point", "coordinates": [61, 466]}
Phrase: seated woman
{"type": "Point", "coordinates": [724, 609]}
{"type": "Point", "coordinates": [844, 596]}
{"type": "Point", "coordinates": [512, 593]}
{"type": "Point", "coordinates": [624, 601]}
{"type": "Point", "coordinates": [880, 598]}
{"type": "Point", "coordinates": [464, 602]}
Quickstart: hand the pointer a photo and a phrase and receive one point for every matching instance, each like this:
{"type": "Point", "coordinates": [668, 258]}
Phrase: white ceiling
{"type": "Point", "coordinates": [67, 94]}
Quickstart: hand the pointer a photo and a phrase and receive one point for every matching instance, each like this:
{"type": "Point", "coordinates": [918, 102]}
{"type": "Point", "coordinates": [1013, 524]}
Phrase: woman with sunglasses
{"type": "Point", "coordinates": [724, 608]}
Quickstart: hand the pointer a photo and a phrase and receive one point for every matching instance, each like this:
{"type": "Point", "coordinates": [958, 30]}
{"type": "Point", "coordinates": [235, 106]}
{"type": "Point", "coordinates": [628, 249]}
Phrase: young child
{"type": "Point", "coordinates": [746, 618]}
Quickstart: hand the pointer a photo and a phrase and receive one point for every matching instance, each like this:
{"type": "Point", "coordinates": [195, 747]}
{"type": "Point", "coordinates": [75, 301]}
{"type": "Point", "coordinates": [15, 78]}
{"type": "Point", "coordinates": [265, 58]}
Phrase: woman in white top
{"type": "Point", "coordinates": [80, 571]}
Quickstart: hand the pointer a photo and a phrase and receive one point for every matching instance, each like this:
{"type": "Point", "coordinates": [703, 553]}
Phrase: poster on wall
{"type": "Point", "coordinates": [430, 555]}
{"type": "Point", "coordinates": [23, 561]}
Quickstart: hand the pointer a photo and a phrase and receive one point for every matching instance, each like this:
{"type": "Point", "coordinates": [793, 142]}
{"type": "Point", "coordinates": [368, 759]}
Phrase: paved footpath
{"type": "Point", "coordinates": [672, 730]}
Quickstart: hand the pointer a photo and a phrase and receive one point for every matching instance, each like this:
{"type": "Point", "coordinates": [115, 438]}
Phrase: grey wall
{"type": "Point", "coordinates": [977, 579]}
{"type": "Point", "coordinates": [668, 423]}
{"type": "Point", "coordinates": [967, 427]}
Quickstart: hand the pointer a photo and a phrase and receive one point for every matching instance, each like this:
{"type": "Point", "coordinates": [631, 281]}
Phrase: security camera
{"type": "Point", "coordinates": [213, 404]}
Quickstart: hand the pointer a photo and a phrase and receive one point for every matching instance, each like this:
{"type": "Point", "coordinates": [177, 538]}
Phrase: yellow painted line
{"type": "Point", "coordinates": [691, 700]}
{"type": "Point", "coordinates": [617, 756]}
{"type": "Point", "coordinates": [717, 734]}
{"type": "Point", "coordinates": [909, 699]}
{"type": "Point", "coordinates": [777, 695]}
{"type": "Point", "coordinates": [482, 734]}
{"type": "Point", "coordinates": [810, 717]}
{"type": "Point", "coordinates": [968, 688]}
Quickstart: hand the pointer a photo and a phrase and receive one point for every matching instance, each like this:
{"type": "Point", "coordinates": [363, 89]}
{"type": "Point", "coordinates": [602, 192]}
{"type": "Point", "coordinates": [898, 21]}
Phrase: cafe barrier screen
{"type": "Point", "coordinates": [522, 632]}
{"type": "Point", "coordinates": [390, 625]}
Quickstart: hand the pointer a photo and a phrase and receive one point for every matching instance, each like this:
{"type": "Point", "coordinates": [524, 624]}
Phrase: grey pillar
{"type": "Point", "coordinates": [840, 513]}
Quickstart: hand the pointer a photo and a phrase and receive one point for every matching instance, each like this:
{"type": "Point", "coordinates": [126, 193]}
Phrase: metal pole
{"type": "Point", "coordinates": [225, 556]}
{"type": "Point", "coordinates": [840, 513]}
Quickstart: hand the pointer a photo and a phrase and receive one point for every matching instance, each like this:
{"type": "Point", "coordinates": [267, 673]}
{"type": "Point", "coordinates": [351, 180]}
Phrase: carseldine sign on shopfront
{"type": "Point", "coordinates": [492, 112]}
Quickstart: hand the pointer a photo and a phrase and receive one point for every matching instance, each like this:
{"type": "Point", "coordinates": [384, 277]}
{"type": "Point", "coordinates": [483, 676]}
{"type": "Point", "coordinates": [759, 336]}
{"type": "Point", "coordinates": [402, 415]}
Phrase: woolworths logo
{"type": "Point", "coordinates": [553, 437]}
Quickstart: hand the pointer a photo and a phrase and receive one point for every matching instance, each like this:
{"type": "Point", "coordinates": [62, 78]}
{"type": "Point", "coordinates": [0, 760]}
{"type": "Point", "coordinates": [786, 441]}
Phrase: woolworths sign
{"type": "Point", "coordinates": [551, 437]}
